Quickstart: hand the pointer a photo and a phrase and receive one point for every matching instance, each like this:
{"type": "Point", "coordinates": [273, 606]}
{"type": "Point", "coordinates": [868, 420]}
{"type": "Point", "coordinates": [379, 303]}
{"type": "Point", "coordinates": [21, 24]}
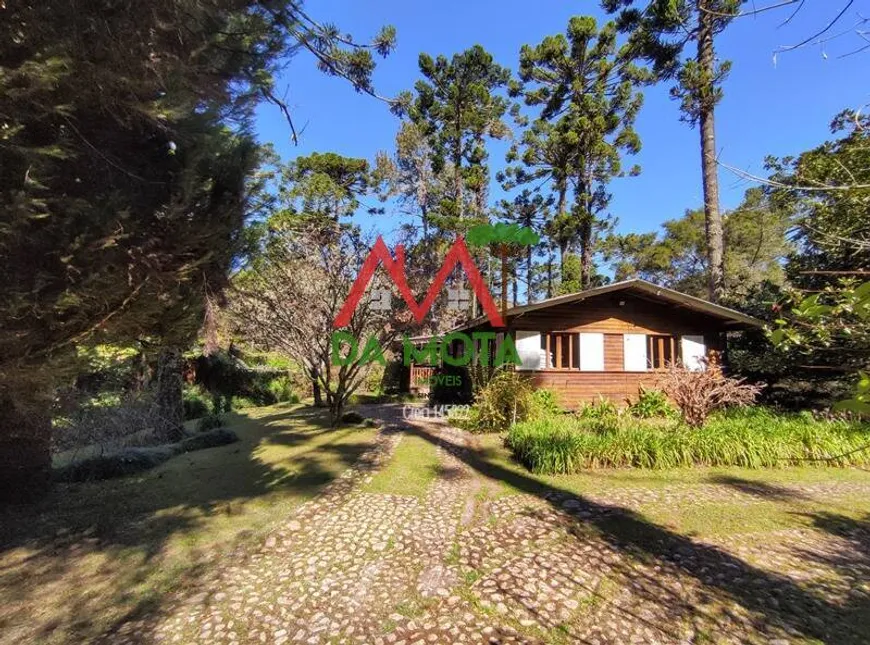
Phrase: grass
{"type": "Point", "coordinates": [774, 507]}
{"type": "Point", "coordinates": [411, 470]}
{"type": "Point", "coordinates": [751, 437]}
{"type": "Point", "coordinates": [103, 551]}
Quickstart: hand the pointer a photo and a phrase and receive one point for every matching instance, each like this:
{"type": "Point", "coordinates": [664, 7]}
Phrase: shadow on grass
{"type": "Point", "coordinates": [852, 560]}
{"type": "Point", "coordinates": [93, 555]}
{"type": "Point", "coordinates": [775, 603]}
{"type": "Point", "coordinates": [764, 490]}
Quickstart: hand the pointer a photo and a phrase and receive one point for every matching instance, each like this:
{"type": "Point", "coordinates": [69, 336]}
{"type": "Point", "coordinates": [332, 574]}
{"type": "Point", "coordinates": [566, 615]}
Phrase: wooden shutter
{"type": "Point", "coordinates": [634, 352]}
{"type": "Point", "coordinates": [694, 353]}
{"type": "Point", "coordinates": [591, 352]}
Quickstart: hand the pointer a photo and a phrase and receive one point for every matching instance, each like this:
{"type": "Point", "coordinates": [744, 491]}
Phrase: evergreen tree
{"type": "Point", "coordinates": [323, 188]}
{"type": "Point", "coordinates": [529, 211]}
{"type": "Point", "coordinates": [408, 175]}
{"type": "Point", "coordinates": [125, 157]}
{"type": "Point", "coordinates": [659, 32]}
{"type": "Point", "coordinates": [827, 192]}
{"type": "Point", "coordinates": [756, 245]}
{"type": "Point", "coordinates": [586, 92]}
{"type": "Point", "coordinates": [457, 108]}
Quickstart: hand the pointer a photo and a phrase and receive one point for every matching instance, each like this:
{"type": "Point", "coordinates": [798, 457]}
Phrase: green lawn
{"type": "Point", "coordinates": [105, 550]}
{"type": "Point", "coordinates": [773, 507]}
{"type": "Point", "coordinates": [410, 471]}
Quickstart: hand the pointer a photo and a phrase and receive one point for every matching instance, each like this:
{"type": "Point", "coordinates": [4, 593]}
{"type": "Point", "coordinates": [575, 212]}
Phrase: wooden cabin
{"type": "Point", "coordinates": [610, 340]}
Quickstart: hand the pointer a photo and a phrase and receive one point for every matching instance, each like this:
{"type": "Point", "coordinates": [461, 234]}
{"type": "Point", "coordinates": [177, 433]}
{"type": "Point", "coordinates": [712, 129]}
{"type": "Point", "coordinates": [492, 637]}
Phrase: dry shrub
{"type": "Point", "coordinates": [698, 393]}
{"type": "Point", "coordinates": [104, 426]}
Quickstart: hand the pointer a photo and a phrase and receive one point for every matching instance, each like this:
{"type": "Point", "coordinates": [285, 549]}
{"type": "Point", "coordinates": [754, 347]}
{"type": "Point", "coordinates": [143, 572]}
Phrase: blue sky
{"type": "Point", "coordinates": [776, 108]}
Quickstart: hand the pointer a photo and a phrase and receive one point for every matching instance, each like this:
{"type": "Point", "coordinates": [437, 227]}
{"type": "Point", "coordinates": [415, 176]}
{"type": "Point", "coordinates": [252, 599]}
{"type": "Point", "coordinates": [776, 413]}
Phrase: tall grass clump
{"type": "Point", "coordinates": [748, 437]}
{"type": "Point", "coordinates": [507, 398]}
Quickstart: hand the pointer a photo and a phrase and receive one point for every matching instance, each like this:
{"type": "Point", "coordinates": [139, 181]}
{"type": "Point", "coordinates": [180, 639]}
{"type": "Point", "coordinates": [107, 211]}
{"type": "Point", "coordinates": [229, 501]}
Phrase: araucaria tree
{"type": "Point", "coordinates": [457, 107]}
{"type": "Point", "coordinates": [660, 31]}
{"type": "Point", "coordinates": [587, 96]}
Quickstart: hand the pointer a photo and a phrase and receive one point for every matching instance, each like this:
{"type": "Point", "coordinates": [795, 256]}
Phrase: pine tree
{"type": "Point", "coordinates": [586, 92]}
{"type": "Point", "coordinates": [125, 168]}
{"type": "Point", "coordinates": [529, 211]}
{"type": "Point", "coordinates": [457, 107]}
{"type": "Point", "coordinates": [659, 33]}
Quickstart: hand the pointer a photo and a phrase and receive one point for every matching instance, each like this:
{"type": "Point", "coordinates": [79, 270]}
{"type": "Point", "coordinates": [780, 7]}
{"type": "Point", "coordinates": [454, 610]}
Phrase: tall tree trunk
{"type": "Point", "coordinates": [563, 243]}
{"type": "Point", "coordinates": [170, 408]}
{"type": "Point", "coordinates": [315, 388]}
{"type": "Point", "coordinates": [563, 256]}
{"type": "Point", "coordinates": [530, 292]}
{"type": "Point", "coordinates": [586, 253]}
{"type": "Point", "coordinates": [25, 451]}
{"type": "Point", "coordinates": [516, 290]}
{"type": "Point", "coordinates": [550, 274]}
{"type": "Point", "coordinates": [712, 216]}
{"type": "Point", "coordinates": [457, 166]}
{"type": "Point", "coordinates": [503, 252]}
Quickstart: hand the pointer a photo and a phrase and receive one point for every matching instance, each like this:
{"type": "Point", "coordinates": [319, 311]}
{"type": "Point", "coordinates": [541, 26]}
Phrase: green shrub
{"type": "Point", "coordinates": [221, 404]}
{"type": "Point", "coordinates": [211, 439]}
{"type": "Point", "coordinates": [195, 404]}
{"type": "Point", "coordinates": [507, 397]}
{"type": "Point", "coordinates": [748, 437]}
{"type": "Point", "coordinates": [366, 398]}
{"type": "Point", "coordinates": [544, 403]}
{"type": "Point", "coordinates": [244, 402]}
{"type": "Point", "coordinates": [281, 389]}
{"type": "Point", "coordinates": [120, 464]}
{"type": "Point", "coordinates": [547, 446]}
{"type": "Point", "coordinates": [352, 417]}
{"type": "Point", "coordinates": [453, 385]}
{"type": "Point", "coordinates": [599, 409]}
{"type": "Point", "coordinates": [652, 404]}
{"type": "Point", "coordinates": [131, 461]}
{"type": "Point", "coordinates": [209, 422]}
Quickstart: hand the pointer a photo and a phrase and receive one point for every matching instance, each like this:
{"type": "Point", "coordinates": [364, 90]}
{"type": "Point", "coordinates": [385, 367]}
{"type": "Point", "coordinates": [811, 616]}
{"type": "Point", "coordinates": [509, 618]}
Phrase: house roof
{"type": "Point", "coordinates": [734, 319]}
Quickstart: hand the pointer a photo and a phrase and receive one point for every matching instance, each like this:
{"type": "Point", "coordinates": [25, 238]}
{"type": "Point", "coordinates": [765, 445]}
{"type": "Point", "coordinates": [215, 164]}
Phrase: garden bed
{"type": "Point", "coordinates": [748, 437]}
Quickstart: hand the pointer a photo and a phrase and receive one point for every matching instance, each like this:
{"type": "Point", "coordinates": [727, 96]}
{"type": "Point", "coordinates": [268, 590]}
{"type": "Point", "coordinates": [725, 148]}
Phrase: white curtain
{"type": "Point", "coordinates": [529, 349]}
{"type": "Point", "coordinates": [694, 353]}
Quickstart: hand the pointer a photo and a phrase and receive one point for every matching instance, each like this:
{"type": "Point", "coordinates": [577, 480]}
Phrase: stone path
{"type": "Point", "coordinates": [468, 565]}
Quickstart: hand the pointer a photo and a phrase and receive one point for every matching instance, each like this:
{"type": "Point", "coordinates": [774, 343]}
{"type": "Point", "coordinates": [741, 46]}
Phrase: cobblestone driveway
{"type": "Point", "coordinates": [469, 565]}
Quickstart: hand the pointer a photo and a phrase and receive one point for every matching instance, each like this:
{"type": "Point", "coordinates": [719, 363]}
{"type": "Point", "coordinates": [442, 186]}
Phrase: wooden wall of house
{"type": "Point", "coordinates": [574, 388]}
{"type": "Point", "coordinates": [604, 313]}
{"type": "Point", "coordinates": [613, 315]}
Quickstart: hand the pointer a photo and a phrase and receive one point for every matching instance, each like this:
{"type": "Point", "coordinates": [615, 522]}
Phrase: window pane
{"type": "Point", "coordinates": [529, 349]}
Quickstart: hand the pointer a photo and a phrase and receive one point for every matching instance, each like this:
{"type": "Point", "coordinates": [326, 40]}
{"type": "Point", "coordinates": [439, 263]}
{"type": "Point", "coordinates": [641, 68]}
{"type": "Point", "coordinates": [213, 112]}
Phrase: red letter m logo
{"type": "Point", "coordinates": [458, 254]}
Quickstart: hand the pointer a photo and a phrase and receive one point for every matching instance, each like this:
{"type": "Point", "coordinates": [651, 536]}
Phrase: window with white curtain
{"type": "Point", "coordinates": [694, 353]}
{"type": "Point", "coordinates": [528, 346]}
